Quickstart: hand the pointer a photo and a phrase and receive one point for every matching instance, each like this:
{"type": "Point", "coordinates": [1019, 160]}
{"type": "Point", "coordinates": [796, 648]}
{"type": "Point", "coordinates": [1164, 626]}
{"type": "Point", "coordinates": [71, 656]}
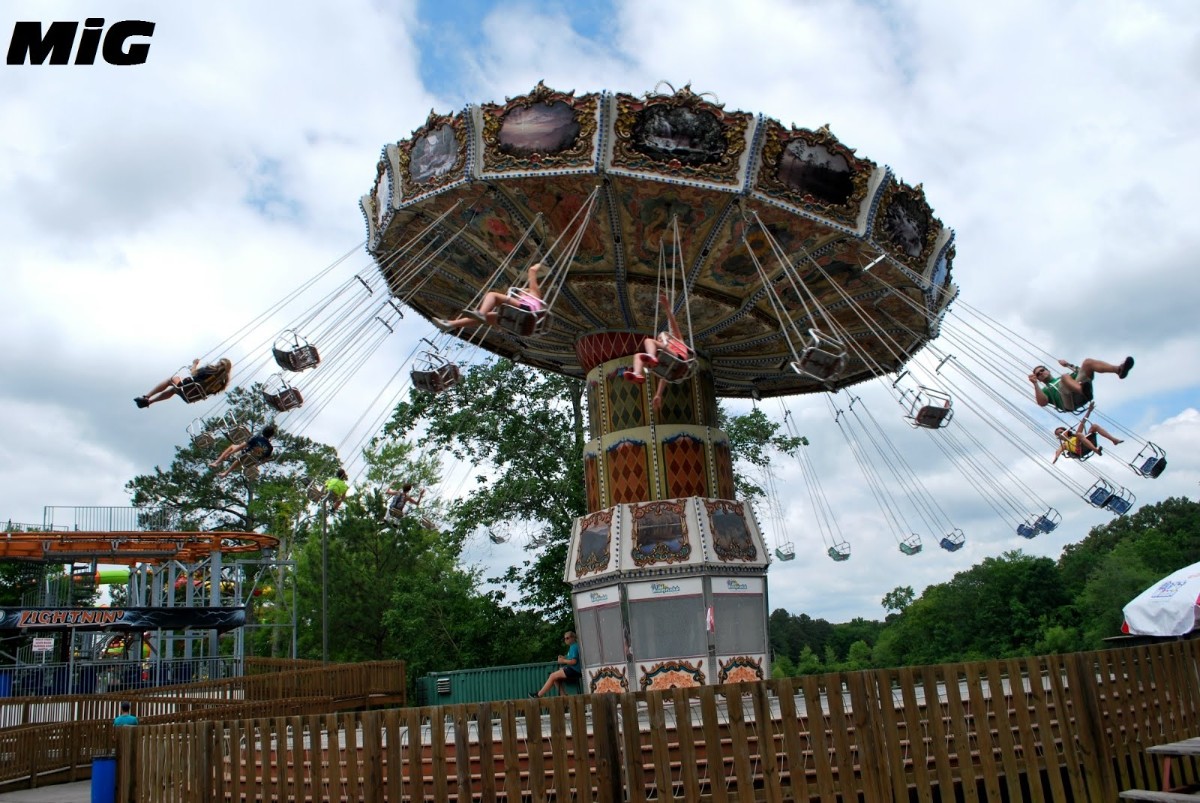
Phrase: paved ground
{"type": "Point", "coordinates": [80, 792]}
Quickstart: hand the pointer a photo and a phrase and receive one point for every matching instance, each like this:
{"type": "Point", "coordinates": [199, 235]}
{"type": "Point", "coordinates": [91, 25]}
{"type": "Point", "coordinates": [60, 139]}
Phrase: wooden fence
{"type": "Point", "coordinates": [74, 730]}
{"type": "Point", "coordinates": [1061, 728]}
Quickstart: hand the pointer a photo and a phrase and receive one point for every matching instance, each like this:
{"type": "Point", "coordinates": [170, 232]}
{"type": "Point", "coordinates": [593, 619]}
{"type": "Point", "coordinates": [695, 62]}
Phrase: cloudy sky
{"type": "Point", "coordinates": [148, 212]}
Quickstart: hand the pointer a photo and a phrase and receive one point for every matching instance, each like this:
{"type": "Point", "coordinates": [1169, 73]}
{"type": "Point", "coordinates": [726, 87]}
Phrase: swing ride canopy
{"type": "Point", "coordinates": [780, 231]}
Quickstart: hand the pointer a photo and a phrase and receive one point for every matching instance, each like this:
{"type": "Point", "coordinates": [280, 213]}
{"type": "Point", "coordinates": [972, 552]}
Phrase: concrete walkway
{"type": "Point", "coordinates": [79, 792]}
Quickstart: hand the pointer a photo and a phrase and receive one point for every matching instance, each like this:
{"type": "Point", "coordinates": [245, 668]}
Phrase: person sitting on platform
{"type": "Point", "coordinates": [568, 668]}
{"type": "Point", "coordinates": [1078, 444]}
{"type": "Point", "coordinates": [529, 298]}
{"type": "Point", "coordinates": [1069, 392]}
{"type": "Point", "coordinates": [202, 382]}
{"type": "Point", "coordinates": [256, 450]}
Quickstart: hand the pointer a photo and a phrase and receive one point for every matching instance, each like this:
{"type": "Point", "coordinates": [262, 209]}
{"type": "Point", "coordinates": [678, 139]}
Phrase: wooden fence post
{"type": "Point", "coordinates": [1099, 770]}
{"type": "Point", "coordinates": [608, 748]}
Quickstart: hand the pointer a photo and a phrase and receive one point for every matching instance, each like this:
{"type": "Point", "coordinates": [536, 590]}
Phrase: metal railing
{"type": "Point", "coordinates": [104, 519]}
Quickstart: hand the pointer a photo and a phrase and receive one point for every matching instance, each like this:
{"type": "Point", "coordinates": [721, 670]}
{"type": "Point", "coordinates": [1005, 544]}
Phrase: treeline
{"type": "Point", "coordinates": [1012, 605]}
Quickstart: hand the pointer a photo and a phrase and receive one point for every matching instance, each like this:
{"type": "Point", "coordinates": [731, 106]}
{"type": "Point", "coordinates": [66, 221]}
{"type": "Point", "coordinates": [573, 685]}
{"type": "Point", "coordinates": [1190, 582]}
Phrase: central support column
{"type": "Point", "coordinates": [667, 568]}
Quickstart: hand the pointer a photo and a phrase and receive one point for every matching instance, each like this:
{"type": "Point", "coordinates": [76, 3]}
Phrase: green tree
{"type": "Point", "coordinates": [899, 598]}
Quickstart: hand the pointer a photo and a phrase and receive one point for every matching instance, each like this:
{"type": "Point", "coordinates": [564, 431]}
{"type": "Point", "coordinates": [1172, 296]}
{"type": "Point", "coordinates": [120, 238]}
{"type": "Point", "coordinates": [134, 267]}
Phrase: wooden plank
{"type": "Point", "coordinates": [981, 712]}
{"type": "Point", "coordinates": [915, 728]}
{"type": "Point", "coordinates": [739, 739]}
{"type": "Point", "coordinates": [462, 752]}
{"type": "Point", "coordinates": [437, 753]}
{"type": "Point", "coordinates": [959, 716]}
{"type": "Point", "coordinates": [581, 750]}
{"type": "Point", "coordinates": [1042, 701]}
{"type": "Point", "coordinates": [235, 759]}
{"type": "Point", "coordinates": [487, 755]}
{"type": "Point", "coordinates": [353, 771]}
{"type": "Point", "coordinates": [839, 725]}
{"type": "Point", "coordinates": [865, 710]}
{"type": "Point", "coordinates": [657, 721]}
{"type": "Point", "coordinates": [394, 762]}
{"type": "Point", "coordinates": [512, 759]}
{"type": "Point", "coordinates": [372, 759]}
{"type": "Point", "coordinates": [560, 746]}
{"type": "Point", "coordinates": [333, 750]}
{"type": "Point", "coordinates": [894, 737]}
{"type": "Point", "coordinates": [717, 787]}
{"type": "Point", "coordinates": [635, 764]}
{"type": "Point", "coordinates": [535, 749]}
{"type": "Point", "coordinates": [1029, 740]}
{"type": "Point", "coordinates": [685, 734]}
{"type": "Point", "coordinates": [1067, 726]}
{"type": "Point", "coordinates": [764, 725]}
{"type": "Point", "coordinates": [414, 777]}
{"type": "Point", "coordinates": [279, 730]}
{"type": "Point", "coordinates": [1095, 752]}
{"type": "Point", "coordinates": [1165, 797]}
{"type": "Point", "coordinates": [608, 749]}
{"type": "Point", "coordinates": [935, 719]}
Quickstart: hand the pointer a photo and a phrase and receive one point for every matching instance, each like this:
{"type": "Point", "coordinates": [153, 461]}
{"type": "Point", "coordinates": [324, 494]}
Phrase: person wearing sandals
{"type": "Point", "coordinates": [568, 668]}
{"type": "Point", "coordinates": [1071, 391]}
{"type": "Point", "coordinates": [528, 298]}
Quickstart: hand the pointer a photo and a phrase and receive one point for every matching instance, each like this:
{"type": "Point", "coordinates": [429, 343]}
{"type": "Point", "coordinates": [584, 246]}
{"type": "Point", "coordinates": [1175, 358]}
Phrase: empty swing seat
{"type": "Point", "coordinates": [435, 378]}
{"type": "Point", "coordinates": [236, 431]}
{"type": "Point", "coordinates": [1026, 530]}
{"type": "Point", "coordinates": [786, 551]}
{"type": "Point", "coordinates": [287, 399]}
{"type": "Point", "coordinates": [932, 417]}
{"type": "Point", "coordinates": [297, 355]}
{"type": "Point", "coordinates": [497, 538]}
{"type": "Point", "coordinates": [823, 359]}
{"type": "Point", "coordinates": [201, 437]}
{"type": "Point", "coordinates": [911, 545]}
{"type": "Point", "coordinates": [953, 541]}
{"type": "Point", "coordinates": [840, 552]}
{"type": "Point", "coordinates": [1150, 462]}
{"type": "Point", "coordinates": [1099, 494]}
{"type": "Point", "coordinates": [315, 491]}
{"type": "Point", "coordinates": [1048, 521]}
{"type": "Point", "coordinates": [1120, 502]}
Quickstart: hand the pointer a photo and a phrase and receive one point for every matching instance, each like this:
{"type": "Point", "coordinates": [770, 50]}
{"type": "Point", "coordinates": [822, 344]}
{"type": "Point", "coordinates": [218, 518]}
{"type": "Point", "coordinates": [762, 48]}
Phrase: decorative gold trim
{"type": "Point", "coordinates": [775, 143]}
{"type": "Point", "coordinates": [882, 235]}
{"type": "Point", "coordinates": [458, 125]}
{"type": "Point", "coordinates": [578, 155]}
{"type": "Point", "coordinates": [628, 154]}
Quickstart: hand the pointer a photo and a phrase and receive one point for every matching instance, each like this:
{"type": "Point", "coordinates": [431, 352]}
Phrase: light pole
{"type": "Point", "coordinates": [325, 579]}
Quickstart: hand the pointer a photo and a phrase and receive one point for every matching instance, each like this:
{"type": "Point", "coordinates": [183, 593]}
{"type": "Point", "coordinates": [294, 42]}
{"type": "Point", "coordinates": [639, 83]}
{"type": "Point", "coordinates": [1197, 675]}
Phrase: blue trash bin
{"type": "Point", "coordinates": [104, 779]}
{"type": "Point", "coordinates": [6, 683]}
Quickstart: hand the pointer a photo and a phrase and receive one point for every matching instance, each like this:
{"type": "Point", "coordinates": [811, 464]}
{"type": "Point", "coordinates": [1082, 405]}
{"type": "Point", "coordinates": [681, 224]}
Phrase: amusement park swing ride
{"type": "Point", "coordinates": [793, 266]}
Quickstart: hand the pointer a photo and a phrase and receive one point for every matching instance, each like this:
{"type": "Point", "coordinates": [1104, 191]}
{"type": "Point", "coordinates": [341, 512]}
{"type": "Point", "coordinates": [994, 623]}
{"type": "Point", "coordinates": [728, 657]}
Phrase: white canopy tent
{"type": "Point", "coordinates": [1167, 608]}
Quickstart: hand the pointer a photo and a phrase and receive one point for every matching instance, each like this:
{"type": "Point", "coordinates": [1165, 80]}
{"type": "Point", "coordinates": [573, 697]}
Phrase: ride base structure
{"type": "Point", "coordinates": [793, 264]}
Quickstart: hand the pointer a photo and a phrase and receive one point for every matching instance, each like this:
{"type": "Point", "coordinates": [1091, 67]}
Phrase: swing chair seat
{"type": "Point", "coordinates": [1099, 494]}
{"type": "Point", "coordinates": [1026, 530]}
{"type": "Point", "coordinates": [436, 378]}
{"type": "Point", "coordinates": [1047, 522]}
{"type": "Point", "coordinates": [497, 538]}
{"type": "Point", "coordinates": [1120, 504]}
{"type": "Point", "coordinates": [672, 367]}
{"type": "Point", "coordinates": [201, 438]}
{"type": "Point", "coordinates": [287, 399]}
{"type": "Point", "coordinates": [315, 491]}
{"type": "Point", "coordinates": [1150, 462]}
{"type": "Point", "coordinates": [236, 431]}
{"type": "Point", "coordinates": [823, 359]}
{"type": "Point", "coordinates": [522, 321]}
{"type": "Point", "coordinates": [839, 552]}
{"type": "Point", "coordinates": [932, 417]}
{"type": "Point", "coordinates": [394, 512]}
{"type": "Point", "coordinates": [911, 545]}
{"type": "Point", "coordinates": [953, 541]}
{"type": "Point", "coordinates": [297, 359]}
{"type": "Point", "coordinates": [190, 390]}
{"type": "Point", "coordinates": [251, 472]}
{"type": "Point", "coordinates": [1153, 467]}
{"type": "Point", "coordinates": [786, 551]}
